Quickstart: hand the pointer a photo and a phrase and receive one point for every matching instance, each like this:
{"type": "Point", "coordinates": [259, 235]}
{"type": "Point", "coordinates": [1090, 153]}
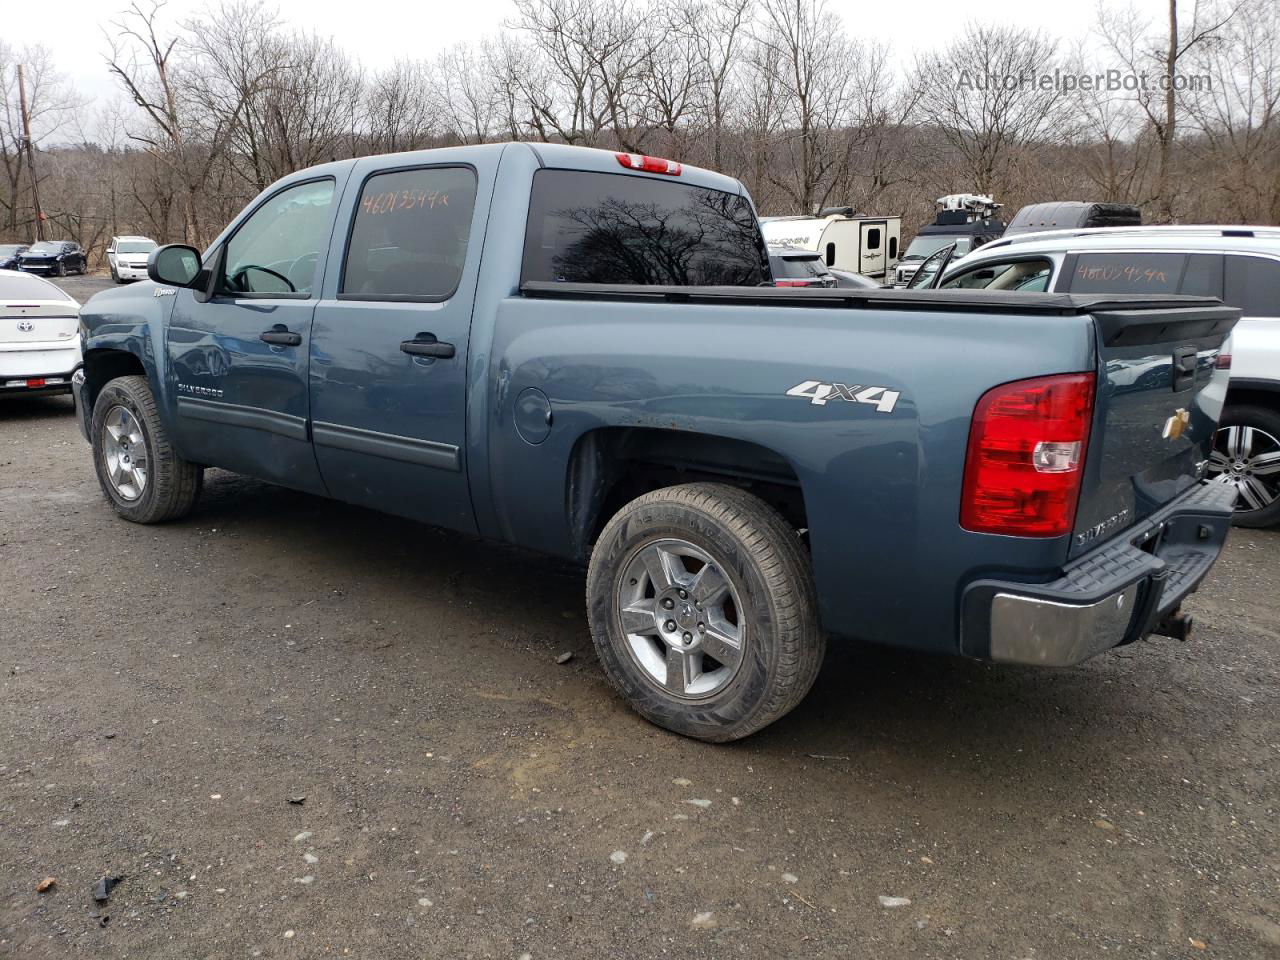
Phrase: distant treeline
{"type": "Point", "coordinates": [774, 92]}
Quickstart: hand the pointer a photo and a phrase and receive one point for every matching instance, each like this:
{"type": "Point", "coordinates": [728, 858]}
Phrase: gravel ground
{"type": "Point", "coordinates": [165, 692]}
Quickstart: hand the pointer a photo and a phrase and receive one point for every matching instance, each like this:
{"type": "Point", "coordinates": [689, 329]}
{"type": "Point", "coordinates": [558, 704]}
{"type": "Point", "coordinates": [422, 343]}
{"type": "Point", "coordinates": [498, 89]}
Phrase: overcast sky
{"type": "Point", "coordinates": [381, 33]}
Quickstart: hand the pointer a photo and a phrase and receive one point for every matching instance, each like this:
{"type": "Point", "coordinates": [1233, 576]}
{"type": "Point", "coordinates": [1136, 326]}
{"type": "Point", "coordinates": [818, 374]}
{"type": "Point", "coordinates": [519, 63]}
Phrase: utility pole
{"type": "Point", "coordinates": [31, 156]}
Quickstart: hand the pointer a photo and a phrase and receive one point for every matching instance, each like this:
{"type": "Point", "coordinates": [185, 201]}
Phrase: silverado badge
{"type": "Point", "coordinates": [1175, 425]}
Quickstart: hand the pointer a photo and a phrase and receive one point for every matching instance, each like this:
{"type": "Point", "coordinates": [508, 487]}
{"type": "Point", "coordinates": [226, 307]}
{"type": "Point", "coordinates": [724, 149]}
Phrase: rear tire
{"type": "Point", "coordinates": [141, 476]}
{"type": "Point", "coordinates": [711, 541]}
{"type": "Point", "coordinates": [1246, 454]}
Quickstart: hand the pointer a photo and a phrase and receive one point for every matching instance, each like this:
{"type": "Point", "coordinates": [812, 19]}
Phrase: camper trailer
{"type": "Point", "coordinates": [866, 245]}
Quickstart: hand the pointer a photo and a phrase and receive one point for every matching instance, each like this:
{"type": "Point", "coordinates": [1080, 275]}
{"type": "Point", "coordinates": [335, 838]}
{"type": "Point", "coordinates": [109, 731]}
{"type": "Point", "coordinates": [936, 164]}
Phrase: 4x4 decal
{"type": "Point", "coordinates": [818, 392]}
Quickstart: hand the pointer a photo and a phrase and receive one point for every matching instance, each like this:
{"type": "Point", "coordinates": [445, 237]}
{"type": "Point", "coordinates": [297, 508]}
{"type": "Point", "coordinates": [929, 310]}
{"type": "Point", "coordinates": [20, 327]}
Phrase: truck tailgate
{"type": "Point", "coordinates": [1160, 393]}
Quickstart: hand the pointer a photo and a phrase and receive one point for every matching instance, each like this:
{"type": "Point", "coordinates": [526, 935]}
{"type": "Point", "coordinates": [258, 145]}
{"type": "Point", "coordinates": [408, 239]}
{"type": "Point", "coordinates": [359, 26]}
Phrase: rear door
{"type": "Point", "coordinates": [1160, 390]}
{"type": "Point", "coordinates": [388, 354]}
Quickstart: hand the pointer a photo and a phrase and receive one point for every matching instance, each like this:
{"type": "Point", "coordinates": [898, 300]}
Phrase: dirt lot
{"type": "Point", "coordinates": [165, 691]}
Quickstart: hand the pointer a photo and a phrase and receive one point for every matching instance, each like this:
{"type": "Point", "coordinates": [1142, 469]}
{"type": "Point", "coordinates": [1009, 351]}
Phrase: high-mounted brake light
{"type": "Point", "coordinates": [638, 161]}
{"type": "Point", "coordinates": [1026, 456]}
{"type": "Point", "coordinates": [1222, 361]}
{"type": "Point", "coordinates": [793, 283]}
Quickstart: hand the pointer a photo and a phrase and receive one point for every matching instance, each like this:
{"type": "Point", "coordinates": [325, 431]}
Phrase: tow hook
{"type": "Point", "coordinates": [1176, 625]}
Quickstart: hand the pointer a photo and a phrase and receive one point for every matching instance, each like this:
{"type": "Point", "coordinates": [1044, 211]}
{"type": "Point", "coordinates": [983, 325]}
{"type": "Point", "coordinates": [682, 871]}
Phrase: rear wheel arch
{"type": "Point", "coordinates": [611, 466]}
{"type": "Point", "coordinates": [1254, 393]}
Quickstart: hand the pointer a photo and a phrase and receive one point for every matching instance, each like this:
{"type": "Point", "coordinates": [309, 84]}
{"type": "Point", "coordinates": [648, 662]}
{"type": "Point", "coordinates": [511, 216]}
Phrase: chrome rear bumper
{"type": "Point", "coordinates": [1116, 594]}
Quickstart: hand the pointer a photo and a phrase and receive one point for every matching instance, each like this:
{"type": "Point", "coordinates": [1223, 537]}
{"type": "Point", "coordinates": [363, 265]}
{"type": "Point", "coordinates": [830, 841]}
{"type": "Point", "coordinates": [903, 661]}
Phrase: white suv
{"type": "Point", "coordinates": [1239, 265]}
{"type": "Point", "coordinates": [127, 257]}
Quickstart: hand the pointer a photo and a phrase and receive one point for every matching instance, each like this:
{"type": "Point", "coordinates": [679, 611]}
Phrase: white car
{"type": "Point", "coordinates": [1240, 265]}
{"type": "Point", "coordinates": [39, 335]}
{"type": "Point", "coordinates": [127, 257]}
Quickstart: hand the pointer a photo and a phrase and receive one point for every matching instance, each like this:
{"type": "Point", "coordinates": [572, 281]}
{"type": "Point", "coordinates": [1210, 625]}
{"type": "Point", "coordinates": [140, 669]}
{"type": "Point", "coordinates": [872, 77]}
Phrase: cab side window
{"type": "Point", "coordinates": [409, 236]}
{"type": "Point", "coordinates": [1253, 285]}
{"type": "Point", "coordinates": [276, 251]}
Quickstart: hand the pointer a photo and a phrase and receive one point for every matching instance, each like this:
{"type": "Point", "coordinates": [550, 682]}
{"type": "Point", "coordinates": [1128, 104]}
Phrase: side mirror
{"type": "Point", "coordinates": [175, 264]}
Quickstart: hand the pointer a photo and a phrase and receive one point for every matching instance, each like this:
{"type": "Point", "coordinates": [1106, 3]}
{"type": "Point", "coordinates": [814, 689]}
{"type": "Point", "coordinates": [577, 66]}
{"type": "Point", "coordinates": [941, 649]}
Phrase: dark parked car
{"type": "Point", "coordinates": [792, 267]}
{"type": "Point", "coordinates": [54, 257]}
{"type": "Point", "coordinates": [9, 253]}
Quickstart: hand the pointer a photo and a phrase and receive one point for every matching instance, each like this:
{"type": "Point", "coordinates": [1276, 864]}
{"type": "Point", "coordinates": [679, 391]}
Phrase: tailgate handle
{"type": "Point", "coordinates": [1184, 368]}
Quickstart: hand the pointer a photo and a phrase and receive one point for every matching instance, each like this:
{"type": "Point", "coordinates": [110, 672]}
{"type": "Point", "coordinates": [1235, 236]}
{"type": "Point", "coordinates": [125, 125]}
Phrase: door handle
{"type": "Point", "coordinates": [280, 336]}
{"type": "Point", "coordinates": [426, 345]}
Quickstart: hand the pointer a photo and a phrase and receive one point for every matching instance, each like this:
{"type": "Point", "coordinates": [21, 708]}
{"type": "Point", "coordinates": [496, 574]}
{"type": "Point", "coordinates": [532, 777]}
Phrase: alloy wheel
{"type": "Point", "coordinates": [124, 452]}
{"type": "Point", "coordinates": [1247, 458]}
{"type": "Point", "coordinates": [682, 618]}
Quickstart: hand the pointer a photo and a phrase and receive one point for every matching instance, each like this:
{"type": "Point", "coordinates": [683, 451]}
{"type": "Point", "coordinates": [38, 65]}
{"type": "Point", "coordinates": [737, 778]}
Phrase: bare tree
{"type": "Point", "coordinates": [175, 131]}
{"type": "Point", "coordinates": [400, 108]}
{"type": "Point", "coordinates": [1144, 54]}
{"type": "Point", "coordinates": [51, 106]}
{"type": "Point", "coordinates": [715, 31]}
{"type": "Point", "coordinates": [981, 93]}
{"type": "Point", "coordinates": [817, 65]}
{"type": "Point", "coordinates": [1237, 115]}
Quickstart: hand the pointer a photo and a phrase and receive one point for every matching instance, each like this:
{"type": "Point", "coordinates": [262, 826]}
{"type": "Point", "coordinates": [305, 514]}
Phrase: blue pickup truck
{"type": "Point", "coordinates": [581, 352]}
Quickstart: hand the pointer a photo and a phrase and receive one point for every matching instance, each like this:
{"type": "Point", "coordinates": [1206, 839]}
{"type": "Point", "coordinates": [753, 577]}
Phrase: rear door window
{"type": "Point", "coordinates": [1147, 273]}
{"type": "Point", "coordinates": [409, 237]}
{"type": "Point", "coordinates": [619, 228]}
{"type": "Point", "coordinates": [1253, 285]}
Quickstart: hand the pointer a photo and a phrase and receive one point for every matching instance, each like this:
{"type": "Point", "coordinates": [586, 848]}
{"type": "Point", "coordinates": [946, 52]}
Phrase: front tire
{"type": "Point", "coordinates": [141, 476]}
{"type": "Point", "coordinates": [703, 611]}
{"type": "Point", "coordinates": [1246, 455]}
{"type": "Point", "coordinates": [62, 269]}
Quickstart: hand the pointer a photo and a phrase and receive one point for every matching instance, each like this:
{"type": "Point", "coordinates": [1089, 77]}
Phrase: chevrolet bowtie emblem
{"type": "Point", "coordinates": [1175, 425]}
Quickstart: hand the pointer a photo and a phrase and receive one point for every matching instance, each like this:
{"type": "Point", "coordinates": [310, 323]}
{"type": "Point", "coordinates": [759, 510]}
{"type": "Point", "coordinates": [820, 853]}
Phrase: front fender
{"type": "Point", "coordinates": [127, 321]}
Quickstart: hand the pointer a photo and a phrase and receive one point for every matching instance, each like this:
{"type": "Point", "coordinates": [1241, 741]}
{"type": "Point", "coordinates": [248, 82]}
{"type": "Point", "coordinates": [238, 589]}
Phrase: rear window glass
{"type": "Point", "coordinates": [1127, 273]}
{"type": "Point", "coordinates": [135, 246]}
{"type": "Point", "coordinates": [14, 289]}
{"type": "Point", "coordinates": [798, 267]}
{"type": "Point", "coordinates": [1253, 285]}
{"type": "Point", "coordinates": [409, 238]}
{"type": "Point", "coordinates": [616, 228]}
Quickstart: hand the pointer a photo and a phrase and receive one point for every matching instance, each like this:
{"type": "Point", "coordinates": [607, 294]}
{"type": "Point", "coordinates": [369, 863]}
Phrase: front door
{"type": "Point", "coordinates": [238, 360]}
{"type": "Point", "coordinates": [389, 348]}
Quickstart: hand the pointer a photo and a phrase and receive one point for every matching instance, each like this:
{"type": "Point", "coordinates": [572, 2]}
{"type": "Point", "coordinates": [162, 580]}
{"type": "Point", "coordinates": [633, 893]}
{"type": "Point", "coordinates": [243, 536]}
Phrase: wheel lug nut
{"type": "Point", "coordinates": [669, 626]}
{"type": "Point", "coordinates": [684, 595]}
{"type": "Point", "coordinates": [702, 628]}
{"type": "Point", "coordinates": [688, 637]}
{"type": "Point", "coordinates": [668, 603]}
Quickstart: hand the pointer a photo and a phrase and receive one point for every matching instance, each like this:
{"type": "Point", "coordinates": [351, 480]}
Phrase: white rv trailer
{"type": "Point", "coordinates": [866, 245]}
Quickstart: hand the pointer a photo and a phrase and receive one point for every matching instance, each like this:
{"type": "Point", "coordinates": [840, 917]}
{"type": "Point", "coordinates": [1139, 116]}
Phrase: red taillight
{"type": "Point", "coordinates": [1026, 456]}
{"type": "Point", "coordinates": [35, 382]}
{"type": "Point", "coordinates": [638, 161]}
{"type": "Point", "coordinates": [1222, 362]}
